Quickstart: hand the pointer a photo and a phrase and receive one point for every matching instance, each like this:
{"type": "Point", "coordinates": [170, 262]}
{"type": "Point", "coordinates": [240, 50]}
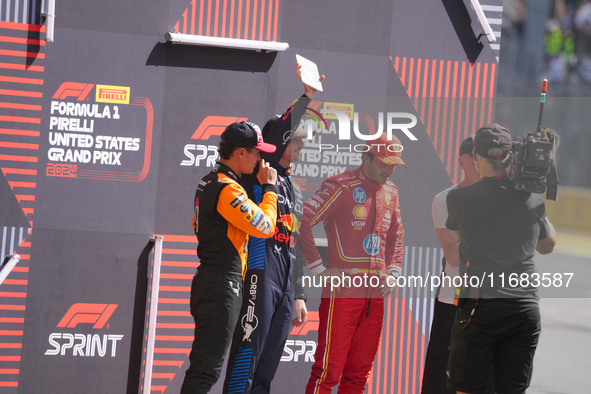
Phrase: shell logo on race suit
{"type": "Point", "coordinates": [359, 214]}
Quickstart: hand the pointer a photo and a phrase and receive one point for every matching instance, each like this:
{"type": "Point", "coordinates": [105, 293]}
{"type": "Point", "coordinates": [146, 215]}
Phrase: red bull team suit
{"type": "Point", "coordinates": [362, 222]}
{"type": "Point", "coordinates": [265, 318]}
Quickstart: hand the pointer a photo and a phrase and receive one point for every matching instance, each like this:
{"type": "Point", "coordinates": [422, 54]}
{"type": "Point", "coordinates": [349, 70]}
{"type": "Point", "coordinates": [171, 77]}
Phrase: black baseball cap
{"type": "Point", "coordinates": [467, 146]}
{"type": "Point", "coordinates": [246, 135]}
{"type": "Point", "coordinates": [492, 136]}
{"type": "Point", "coordinates": [269, 125]}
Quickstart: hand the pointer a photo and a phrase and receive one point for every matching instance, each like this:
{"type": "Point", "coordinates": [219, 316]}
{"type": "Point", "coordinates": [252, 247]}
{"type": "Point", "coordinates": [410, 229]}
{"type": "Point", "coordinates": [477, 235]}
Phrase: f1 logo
{"type": "Point", "coordinates": [311, 324]}
{"type": "Point", "coordinates": [73, 89]}
{"type": "Point", "coordinates": [214, 125]}
{"type": "Point", "coordinates": [97, 314]}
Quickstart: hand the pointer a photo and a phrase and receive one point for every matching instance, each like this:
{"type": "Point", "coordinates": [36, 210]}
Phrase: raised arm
{"type": "Point", "coordinates": [280, 134]}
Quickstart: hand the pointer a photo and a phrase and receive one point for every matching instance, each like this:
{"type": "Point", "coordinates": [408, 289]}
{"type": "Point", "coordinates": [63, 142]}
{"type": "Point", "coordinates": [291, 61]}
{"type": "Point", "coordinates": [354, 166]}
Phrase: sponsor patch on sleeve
{"type": "Point", "coordinates": [257, 218]}
{"type": "Point", "coordinates": [264, 226]}
{"type": "Point", "coordinates": [196, 220]}
{"type": "Point", "coordinates": [250, 214]}
{"type": "Point", "coordinates": [245, 206]}
{"type": "Point", "coordinates": [313, 203]}
{"type": "Point", "coordinates": [241, 197]}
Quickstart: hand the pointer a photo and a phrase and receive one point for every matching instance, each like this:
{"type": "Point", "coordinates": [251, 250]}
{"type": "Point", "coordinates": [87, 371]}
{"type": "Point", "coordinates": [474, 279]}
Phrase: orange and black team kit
{"type": "Point", "coordinates": [224, 217]}
{"type": "Point", "coordinates": [365, 236]}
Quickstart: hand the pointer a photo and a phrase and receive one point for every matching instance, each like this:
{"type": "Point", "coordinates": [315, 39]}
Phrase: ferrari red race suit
{"type": "Point", "coordinates": [365, 235]}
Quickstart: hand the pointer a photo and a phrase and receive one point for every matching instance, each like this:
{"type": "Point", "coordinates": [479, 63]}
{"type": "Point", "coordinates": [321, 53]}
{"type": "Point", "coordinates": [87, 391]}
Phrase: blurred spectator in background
{"type": "Point", "coordinates": [582, 23]}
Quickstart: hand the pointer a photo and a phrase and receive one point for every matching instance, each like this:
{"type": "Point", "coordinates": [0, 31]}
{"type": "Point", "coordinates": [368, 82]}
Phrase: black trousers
{"type": "Point", "coordinates": [259, 338]}
{"type": "Point", "coordinates": [216, 297]}
{"type": "Point", "coordinates": [502, 333]}
{"type": "Point", "coordinates": [435, 376]}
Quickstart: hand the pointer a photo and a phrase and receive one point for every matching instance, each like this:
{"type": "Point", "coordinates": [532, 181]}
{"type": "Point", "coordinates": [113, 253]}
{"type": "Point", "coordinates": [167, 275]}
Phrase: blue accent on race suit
{"type": "Point", "coordinates": [256, 246]}
{"type": "Point", "coordinates": [239, 376]}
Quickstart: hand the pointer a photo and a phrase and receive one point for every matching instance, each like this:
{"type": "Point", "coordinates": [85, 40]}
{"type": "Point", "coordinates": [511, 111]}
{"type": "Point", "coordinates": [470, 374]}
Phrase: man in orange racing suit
{"type": "Point", "coordinates": [224, 217]}
{"type": "Point", "coordinates": [361, 217]}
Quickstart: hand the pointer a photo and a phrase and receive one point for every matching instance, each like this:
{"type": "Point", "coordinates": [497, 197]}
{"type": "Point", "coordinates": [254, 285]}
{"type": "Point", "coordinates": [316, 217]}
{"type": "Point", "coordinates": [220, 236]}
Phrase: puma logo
{"type": "Point", "coordinates": [235, 289]}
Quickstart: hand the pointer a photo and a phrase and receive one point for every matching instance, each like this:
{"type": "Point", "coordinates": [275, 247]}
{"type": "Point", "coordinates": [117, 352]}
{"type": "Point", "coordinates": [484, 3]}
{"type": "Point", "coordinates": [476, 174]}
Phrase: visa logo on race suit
{"type": "Point", "coordinates": [199, 154]}
{"type": "Point", "coordinates": [84, 344]}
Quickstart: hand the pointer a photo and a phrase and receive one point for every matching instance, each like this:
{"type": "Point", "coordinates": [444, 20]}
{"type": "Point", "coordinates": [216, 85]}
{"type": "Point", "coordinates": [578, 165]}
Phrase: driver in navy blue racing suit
{"type": "Point", "coordinates": [268, 306]}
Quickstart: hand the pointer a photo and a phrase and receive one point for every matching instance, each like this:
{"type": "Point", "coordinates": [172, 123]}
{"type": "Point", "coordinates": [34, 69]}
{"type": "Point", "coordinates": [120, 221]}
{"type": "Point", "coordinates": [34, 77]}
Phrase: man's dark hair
{"type": "Point", "coordinates": [226, 150]}
{"type": "Point", "coordinates": [370, 155]}
{"type": "Point", "coordinates": [467, 146]}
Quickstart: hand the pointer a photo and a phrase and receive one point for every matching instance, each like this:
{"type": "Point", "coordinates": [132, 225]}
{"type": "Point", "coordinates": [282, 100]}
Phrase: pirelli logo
{"type": "Point", "coordinates": [346, 108]}
{"type": "Point", "coordinates": [112, 94]}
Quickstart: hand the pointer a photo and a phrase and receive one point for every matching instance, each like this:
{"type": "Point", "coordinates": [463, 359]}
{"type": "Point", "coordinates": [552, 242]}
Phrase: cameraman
{"type": "Point", "coordinates": [499, 230]}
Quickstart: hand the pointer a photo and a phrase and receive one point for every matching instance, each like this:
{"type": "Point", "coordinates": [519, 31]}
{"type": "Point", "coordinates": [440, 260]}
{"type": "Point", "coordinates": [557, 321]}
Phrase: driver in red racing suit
{"type": "Point", "coordinates": [361, 217]}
